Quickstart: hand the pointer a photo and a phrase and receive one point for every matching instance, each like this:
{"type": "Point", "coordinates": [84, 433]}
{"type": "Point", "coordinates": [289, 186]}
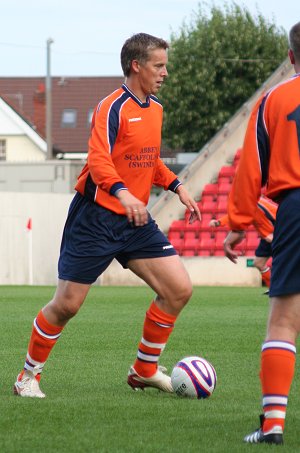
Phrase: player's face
{"type": "Point", "coordinates": [153, 73]}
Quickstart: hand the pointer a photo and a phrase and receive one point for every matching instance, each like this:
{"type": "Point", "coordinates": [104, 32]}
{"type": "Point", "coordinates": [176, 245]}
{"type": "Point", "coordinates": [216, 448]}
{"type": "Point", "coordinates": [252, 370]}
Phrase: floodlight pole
{"type": "Point", "coordinates": [49, 103]}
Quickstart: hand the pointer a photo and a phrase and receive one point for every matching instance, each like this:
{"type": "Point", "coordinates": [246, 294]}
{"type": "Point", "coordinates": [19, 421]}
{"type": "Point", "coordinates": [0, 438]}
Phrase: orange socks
{"type": "Point", "coordinates": [277, 371]}
{"type": "Point", "coordinates": [266, 276]}
{"type": "Point", "coordinates": [43, 337]}
{"type": "Point", "coordinates": [158, 326]}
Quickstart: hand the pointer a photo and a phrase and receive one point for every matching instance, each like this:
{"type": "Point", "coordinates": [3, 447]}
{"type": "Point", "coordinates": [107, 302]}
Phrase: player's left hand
{"type": "Point", "coordinates": [190, 203]}
{"type": "Point", "coordinates": [232, 239]}
{"type": "Point", "coordinates": [214, 223]}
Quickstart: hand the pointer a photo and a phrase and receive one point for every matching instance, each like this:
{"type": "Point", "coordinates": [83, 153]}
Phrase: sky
{"type": "Point", "coordinates": [88, 34]}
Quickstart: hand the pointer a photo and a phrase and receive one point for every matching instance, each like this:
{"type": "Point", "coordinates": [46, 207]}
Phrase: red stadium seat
{"type": "Point", "coordinates": [177, 225]}
{"type": "Point", "coordinates": [206, 218]}
{"type": "Point", "coordinates": [211, 189]}
{"type": "Point", "coordinates": [250, 252]}
{"type": "Point", "coordinates": [205, 251]}
{"type": "Point", "coordinates": [209, 206]}
{"type": "Point", "coordinates": [208, 197]}
{"type": "Point", "coordinates": [224, 188]}
{"type": "Point", "coordinates": [191, 243]}
{"type": "Point", "coordinates": [205, 241]}
{"type": "Point", "coordinates": [222, 205]}
{"type": "Point", "coordinates": [174, 235]}
{"type": "Point", "coordinates": [205, 229]}
{"type": "Point", "coordinates": [219, 252]}
{"type": "Point", "coordinates": [252, 240]}
{"type": "Point", "coordinates": [189, 234]}
{"type": "Point", "coordinates": [224, 180]}
{"type": "Point", "coordinates": [220, 236]}
{"type": "Point", "coordinates": [228, 172]}
{"type": "Point", "coordinates": [190, 247]}
{"type": "Point", "coordinates": [237, 158]}
{"type": "Point", "coordinates": [252, 235]}
{"type": "Point", "coordinates": [222, 197]}
{"type": "Point", "coordinates": [206, 235]}
{"type": "Point", "coordinates": [222, 213]}
{"type": "Point", "coordinates": [177, 244]}
{"type": "Point", "coordinates": [188, 252]}
{"type": "Point", "coordinates": [206, 244]}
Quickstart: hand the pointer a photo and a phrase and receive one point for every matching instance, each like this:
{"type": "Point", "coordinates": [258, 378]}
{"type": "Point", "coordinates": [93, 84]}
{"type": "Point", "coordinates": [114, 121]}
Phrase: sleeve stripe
{"type": "Point", "coordinates": [263, 143]}
{"type": "Point", "coordinates": [113, 119]}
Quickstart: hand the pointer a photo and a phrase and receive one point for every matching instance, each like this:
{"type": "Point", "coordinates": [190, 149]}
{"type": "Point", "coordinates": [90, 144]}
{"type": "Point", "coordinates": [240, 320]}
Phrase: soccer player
{"type": "Point", "coordinates": [270, 156]}
{"type": "Point", "coordinates": [108, 219]}
{"type": "Point", "coordinates": [263, 221]}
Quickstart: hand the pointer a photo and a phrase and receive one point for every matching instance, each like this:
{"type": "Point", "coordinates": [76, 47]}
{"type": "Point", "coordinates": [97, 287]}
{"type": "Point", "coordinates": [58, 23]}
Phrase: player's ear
{"type": "Point", "coordinates": [291, 56]}
{"type": "Point", "coordinates": [135, 66]}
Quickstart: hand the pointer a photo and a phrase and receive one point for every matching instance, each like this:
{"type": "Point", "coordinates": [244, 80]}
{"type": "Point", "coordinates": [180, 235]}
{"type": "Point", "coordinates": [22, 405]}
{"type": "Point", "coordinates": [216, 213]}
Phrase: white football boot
{"type": "Point", "coordinates": [159, 380]}
{"type": "Point", "coordinates": [28, 386]}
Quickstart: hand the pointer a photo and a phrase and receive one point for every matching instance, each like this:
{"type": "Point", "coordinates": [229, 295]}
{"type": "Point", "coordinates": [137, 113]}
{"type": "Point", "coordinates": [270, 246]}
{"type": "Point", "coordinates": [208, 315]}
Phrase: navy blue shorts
{"type": "Point", "coordinates": [93, 236]}
{"type": "Point", "coordinates": [264, 249]}
{"type": "Point", "coordinates": [285, 277]}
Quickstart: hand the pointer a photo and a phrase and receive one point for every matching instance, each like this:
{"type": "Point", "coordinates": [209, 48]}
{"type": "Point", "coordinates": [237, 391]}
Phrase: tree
{"type": "Point", "coordinates": [215, 64]}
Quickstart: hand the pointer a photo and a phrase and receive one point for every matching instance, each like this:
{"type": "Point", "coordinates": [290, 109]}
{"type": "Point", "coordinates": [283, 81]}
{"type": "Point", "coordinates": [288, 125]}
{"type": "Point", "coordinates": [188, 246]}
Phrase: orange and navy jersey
{"type": "Point", "coordinates": [270, 154]}
{"type": "Point", "coordinates": [265, 216]}
{"type": "Point", "coordinates": [263, 220]}
{"type": "Point", "coordinates": [124, 151]}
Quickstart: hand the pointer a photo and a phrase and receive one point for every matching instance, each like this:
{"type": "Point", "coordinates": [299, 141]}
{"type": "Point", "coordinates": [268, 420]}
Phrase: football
{"type": "Point", "coordinates": [194, 377]}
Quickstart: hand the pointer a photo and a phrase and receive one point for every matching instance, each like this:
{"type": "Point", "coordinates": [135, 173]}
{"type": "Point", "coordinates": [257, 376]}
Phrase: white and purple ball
{"type": "Point", "coordinates": [194, 377]}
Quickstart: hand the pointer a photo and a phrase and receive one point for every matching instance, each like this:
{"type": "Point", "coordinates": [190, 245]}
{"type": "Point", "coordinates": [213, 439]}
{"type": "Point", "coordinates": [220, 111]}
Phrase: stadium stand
{"type": "Point", "coordinates": [199, 239]}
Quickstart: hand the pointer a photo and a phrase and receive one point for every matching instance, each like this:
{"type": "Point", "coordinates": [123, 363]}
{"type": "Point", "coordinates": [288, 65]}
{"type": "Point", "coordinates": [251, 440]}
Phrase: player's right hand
{"type": "Point", "coordinates": [136, 211]}
{"type": "Point", "coordinates": [232, 239]}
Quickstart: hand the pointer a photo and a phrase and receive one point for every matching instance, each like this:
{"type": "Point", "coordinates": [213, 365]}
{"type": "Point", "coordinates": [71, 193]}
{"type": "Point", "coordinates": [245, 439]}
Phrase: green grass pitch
{"type": "Point", "coordinates": [89, 406]}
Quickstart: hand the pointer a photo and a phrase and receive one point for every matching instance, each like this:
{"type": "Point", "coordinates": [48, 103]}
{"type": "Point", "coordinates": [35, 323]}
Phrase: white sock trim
{"type": "Point", "coordinates": [274, 344]}
{"type": "Point", "coordinates": [153, 345]}
{"type": "Point", "coordinates": [147, 357]}
{"type": "Point", "coordinates": [265, 270]}
{"type": "Point", "coordinates": [275, 400]}
{"type": "Point", "coordinates": [33, 366]}
{"type": "Point", "coordinates": [275, 414]}
{"type": "Point", "coordinates": [44, 334]}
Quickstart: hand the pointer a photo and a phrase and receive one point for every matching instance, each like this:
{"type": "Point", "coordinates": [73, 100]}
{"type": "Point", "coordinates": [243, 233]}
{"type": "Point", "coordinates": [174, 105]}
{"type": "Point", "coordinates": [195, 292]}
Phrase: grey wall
{"type": "Point", "coordinates": [55, 176]}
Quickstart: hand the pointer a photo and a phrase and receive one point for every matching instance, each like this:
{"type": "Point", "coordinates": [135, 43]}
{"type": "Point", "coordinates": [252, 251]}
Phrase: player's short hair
{"type": "Point", "coordinates": [294, 39]}
{"type": "Point", "coordinates": [138, 47]}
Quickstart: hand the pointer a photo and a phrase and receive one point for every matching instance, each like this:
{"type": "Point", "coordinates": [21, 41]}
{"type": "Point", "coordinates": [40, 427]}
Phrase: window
{"type": "Point", "coordinates": [89, 117]}
{"type": "Point", "coordinates": [69, 118]}
{"type": "Point", "coordinates": [2, 149]}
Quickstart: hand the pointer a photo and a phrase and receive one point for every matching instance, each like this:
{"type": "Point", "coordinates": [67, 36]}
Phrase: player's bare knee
{"type": "Point", "coordinates": [188, 292]}
{"type": "Point", "coordinates": [176, 296]}
{"type": "Point", "coordinates": [68, 311]}
{"type": "Point", "coordinates": [64, 308]}
{"type": "Point", "coordinates": [183, 293]}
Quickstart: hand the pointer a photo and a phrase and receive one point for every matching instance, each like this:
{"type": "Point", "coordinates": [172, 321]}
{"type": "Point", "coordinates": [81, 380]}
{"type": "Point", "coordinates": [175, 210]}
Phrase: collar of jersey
{"type": "Point", "coordinates": [135, 98]}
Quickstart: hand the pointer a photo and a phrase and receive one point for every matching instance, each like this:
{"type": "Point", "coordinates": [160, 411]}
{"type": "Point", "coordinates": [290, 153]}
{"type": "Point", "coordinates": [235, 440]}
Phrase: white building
{"type": "Point", "coordinates": [18, 140]}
